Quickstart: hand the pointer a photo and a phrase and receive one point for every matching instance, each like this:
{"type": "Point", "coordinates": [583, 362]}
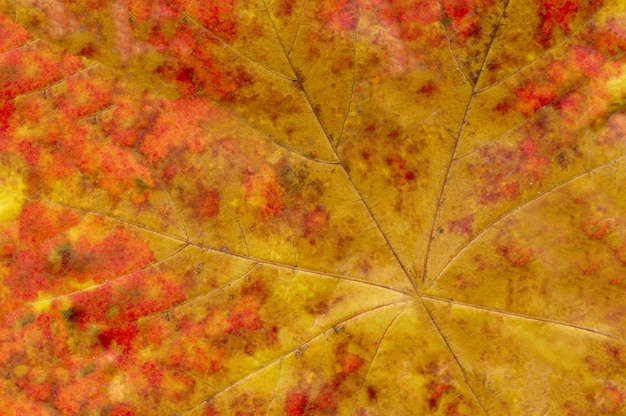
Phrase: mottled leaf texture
{"type": "Point", "coordinates": [313, 207]}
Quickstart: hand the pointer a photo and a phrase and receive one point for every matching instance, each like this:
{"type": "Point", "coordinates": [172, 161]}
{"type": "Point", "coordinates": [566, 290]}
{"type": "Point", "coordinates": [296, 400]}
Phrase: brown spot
{"type": "Point", "coordinates": [371, 393]}
{"type": "Point", "coordinates": [428, 89]}
{"type": "Point", "coordinates": [503, 107]}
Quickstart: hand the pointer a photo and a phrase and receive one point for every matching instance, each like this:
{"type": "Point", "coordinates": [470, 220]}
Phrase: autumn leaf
{"type": "Point", "coordinates": [351, 207]}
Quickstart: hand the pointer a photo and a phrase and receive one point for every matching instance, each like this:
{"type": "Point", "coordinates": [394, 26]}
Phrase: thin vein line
{"type": "Point", "coordinates": [343, 166]}
{"type": "Point", "coordinates": [454, 356]}
{"type": "Point", "coordinates": [294, 349]}
{"type": "Point", "coordinates": [371, 364]}
{"type": "Point", "coordinates": [269, 136]}
{"type": "Point", "coordinates": [299, 23]}
{"type": "Point", "coordinates": [224, 252]}
{"type": "Point", "coordinates": [109, 281]}
{"type": "Point", "coordinates": [201, 295]}
{"type": "Point", "coordinates": [544, 53]}
{"type": "Point", "coordinates": [517, 208]}
{"type": "Point", "coordinates": [448, 37]}
{"type": "Point", "coordinates": [454, 149]}
{"type": "Point", "coordinates": [23, 45]}
{"type": "Point", "coordinates": [237, 51]}
{"type": "Point", "coordinates": [354, 64]}
{"type": "Point", "coordinates": [522, 316]}
{"type": "Point", "coordinates": [280, 369]}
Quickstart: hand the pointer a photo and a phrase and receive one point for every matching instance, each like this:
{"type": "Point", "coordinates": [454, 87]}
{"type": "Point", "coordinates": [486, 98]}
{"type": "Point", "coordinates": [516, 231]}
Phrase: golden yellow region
{"type": "Point", "coordinates": [12, 189]}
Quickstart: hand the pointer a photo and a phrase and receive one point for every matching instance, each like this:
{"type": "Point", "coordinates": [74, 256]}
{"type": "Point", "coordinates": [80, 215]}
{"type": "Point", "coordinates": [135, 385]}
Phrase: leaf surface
{"type": "Point", "coordinates": [313, 207]}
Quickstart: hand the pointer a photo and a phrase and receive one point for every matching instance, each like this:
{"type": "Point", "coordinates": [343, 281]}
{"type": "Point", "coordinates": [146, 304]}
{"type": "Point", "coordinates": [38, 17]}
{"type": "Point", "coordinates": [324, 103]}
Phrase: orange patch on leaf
{"type": "Point", "coordinates": [348, 362]}
{"type": "Point", "coordinates": [295, 403]}
{"type": "Point", "coordinates": [217, 16]}
{"type": "Point", "coordinates": [209, 205]}
{"type": "Point", "coordinates": [596, 228]}
{"type": "Point", "coordinates": [531, 98]}
{"type": "Point", "coordinates": [245, 315]}
{"type": "Point", "coordinates": [264, 191]}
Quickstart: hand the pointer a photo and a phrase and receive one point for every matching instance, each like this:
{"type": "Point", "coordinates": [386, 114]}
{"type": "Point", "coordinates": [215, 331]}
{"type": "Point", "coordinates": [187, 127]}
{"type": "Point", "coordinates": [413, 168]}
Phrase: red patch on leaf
{"type": "Point", "coordinates": [611, 39]}
{"type": "Point", "coordinates": [272, 193]}
{"type": "Point", "coordinates": [463, 21]}
{"type": "Point", "coordinates": [532, 97]}
{"type": "Point", "coordinates": [503, 107]}
{"type": "Point", "coordinates": [401, 174]}
{"type": "Point", "coordinates": [285, 8]}
{"type": "Point", "coordinates": [37, 222]}
{"type": "Point", "coordinates": [209, 204]}
{"type": "Point", "coordinates": [511, 190]}
{"type": "Point", "coordinates": [7, 109]}
{"type": "Point", "coordinates": [217, 16]}
{"type": "Point", "coordinates": [528, 147]}
{"type": "Point", "coordinates": [530, 162]}
{"type": "Point", "coordinates": [436, 393]}
{"type": "Point", "coordinates": [122, 336]}
{"type": "Point", "coordinates": [29, 151]}
{"type": "Point", "coordinates": [428, 89]}
{"type": "Point", "coordinates": [244, 315]}
{"type": "Point", "coordinates": [589, 61]}
{"type": "Point", "coordinates": [121, 409]}
{"type": "Point", "coordinates": [556, 13]}
{"type": "Point", "coordinates": [264, 191]}
{"type": "Point", "coordinates": [348, 362]}
{"type": "Point", "coordinates": [339, 15]}
{"type": "Point", "coordinates": [295, 403]}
